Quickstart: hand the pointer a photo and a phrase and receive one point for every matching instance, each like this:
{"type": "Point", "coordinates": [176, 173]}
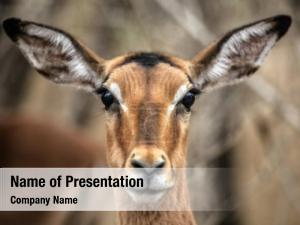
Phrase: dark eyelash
{"type": "Point", "coordinates": [195, 91]}
{"type": "Point", "coordinates": [101, 90]}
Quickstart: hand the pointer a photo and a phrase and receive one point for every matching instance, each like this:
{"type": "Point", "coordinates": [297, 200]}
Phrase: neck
{"type": "Point", "coordinates": [156, 218]}
{"type": "Point", "coordinates": [174, 198]}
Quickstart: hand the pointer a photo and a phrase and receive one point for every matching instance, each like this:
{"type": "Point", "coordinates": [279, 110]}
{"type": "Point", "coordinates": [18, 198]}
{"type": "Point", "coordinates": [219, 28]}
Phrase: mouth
{"type": "Point", "coordinates": [147, 195]}
{"type": "Point", "coordinates": [155, 186]}
{"type": "Point", "coordinates": [153, 192]}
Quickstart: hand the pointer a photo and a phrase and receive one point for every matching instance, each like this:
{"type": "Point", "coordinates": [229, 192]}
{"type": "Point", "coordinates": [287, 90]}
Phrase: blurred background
{"type": "Point", "coordinates": [253, 127]}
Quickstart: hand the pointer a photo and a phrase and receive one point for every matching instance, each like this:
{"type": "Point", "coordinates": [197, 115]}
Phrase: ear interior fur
{"type": "Point", "coordinates": [55, 54]}
{"type": "Point", "coordinates": [239, 53]}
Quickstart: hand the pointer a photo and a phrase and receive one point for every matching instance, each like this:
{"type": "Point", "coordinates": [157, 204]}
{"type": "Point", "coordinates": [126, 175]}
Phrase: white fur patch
{"type": "Point", "coordinates": [115, 89]}
{"type": "Point", "coordinates": [266, 50]}
{"type": "Point", "coordinates": [182, 90]}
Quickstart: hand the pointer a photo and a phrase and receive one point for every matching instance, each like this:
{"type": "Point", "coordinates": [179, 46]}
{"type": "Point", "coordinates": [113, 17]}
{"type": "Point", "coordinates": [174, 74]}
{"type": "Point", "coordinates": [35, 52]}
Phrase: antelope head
{"type": "Point", "coordinates": [147, 96]}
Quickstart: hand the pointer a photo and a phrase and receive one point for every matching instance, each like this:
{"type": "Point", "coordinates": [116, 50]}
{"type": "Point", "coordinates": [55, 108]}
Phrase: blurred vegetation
{"type": "Point", "coordinates": [254, 126]}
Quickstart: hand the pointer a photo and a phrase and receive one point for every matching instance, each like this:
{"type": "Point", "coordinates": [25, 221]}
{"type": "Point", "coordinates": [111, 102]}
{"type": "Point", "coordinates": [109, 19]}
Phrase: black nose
{"type": "Point", "coordinates": [147, 167]}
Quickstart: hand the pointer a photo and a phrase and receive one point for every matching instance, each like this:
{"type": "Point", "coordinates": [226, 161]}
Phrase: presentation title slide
{"type": "Point", "coordinates": [105, 189]}
{"type": "Point", "coordinates": [67, 181]}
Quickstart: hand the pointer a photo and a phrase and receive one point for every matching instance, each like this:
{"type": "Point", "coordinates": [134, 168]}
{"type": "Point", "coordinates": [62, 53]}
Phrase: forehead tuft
{"type": "Point", "coordinates": [148, 59]}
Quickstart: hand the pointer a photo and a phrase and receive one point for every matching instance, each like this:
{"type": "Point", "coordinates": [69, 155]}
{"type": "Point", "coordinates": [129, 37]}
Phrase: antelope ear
{"type": "Point", "coordinates": [239, 53]}
{"type": "Point", "coordinates": [55, 54]}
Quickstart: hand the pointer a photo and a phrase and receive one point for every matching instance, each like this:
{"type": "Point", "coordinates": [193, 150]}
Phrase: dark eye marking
{"type": "Point", "coordinates": [107, 98]}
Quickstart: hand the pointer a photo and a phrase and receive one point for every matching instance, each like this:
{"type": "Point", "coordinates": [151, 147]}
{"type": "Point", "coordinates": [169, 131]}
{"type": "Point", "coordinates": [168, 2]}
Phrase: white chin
{"type": "Point", "coordinates": [146, 197]}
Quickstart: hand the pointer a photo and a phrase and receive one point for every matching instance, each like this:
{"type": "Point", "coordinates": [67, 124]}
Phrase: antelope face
{"type": "Point", "coordinates": [147, 96]}
{"type": "Point", "coordinates": [148, 99]}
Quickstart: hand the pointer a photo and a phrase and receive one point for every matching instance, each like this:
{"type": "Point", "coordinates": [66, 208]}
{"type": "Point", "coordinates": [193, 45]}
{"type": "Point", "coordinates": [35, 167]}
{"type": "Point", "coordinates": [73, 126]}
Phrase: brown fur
{"type": "Point", "coordinates": [146, 122]}
{"type": "Point", "coordinates": [176, 197]}
{"type": "Point", "coordinates": [146, 128]}
{"type": "Point", "coordinates": [156, 217]}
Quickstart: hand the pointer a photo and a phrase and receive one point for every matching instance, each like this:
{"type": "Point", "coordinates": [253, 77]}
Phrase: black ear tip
{"type": "Point", "coordinates": [283, 22]}
{"type": "Point", "coordinates": [12, 27]}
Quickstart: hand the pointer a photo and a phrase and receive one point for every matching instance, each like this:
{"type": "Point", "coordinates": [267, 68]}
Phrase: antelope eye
{"type": "Point", "coordinates": [107, 97]}
{"type": "Point", "coordinates": [188, 100]}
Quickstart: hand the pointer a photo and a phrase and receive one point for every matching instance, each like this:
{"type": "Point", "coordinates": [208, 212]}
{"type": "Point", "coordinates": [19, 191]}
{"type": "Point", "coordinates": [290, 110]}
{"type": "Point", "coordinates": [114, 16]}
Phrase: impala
{"type": "Point", "coordinates": [148, 96]}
